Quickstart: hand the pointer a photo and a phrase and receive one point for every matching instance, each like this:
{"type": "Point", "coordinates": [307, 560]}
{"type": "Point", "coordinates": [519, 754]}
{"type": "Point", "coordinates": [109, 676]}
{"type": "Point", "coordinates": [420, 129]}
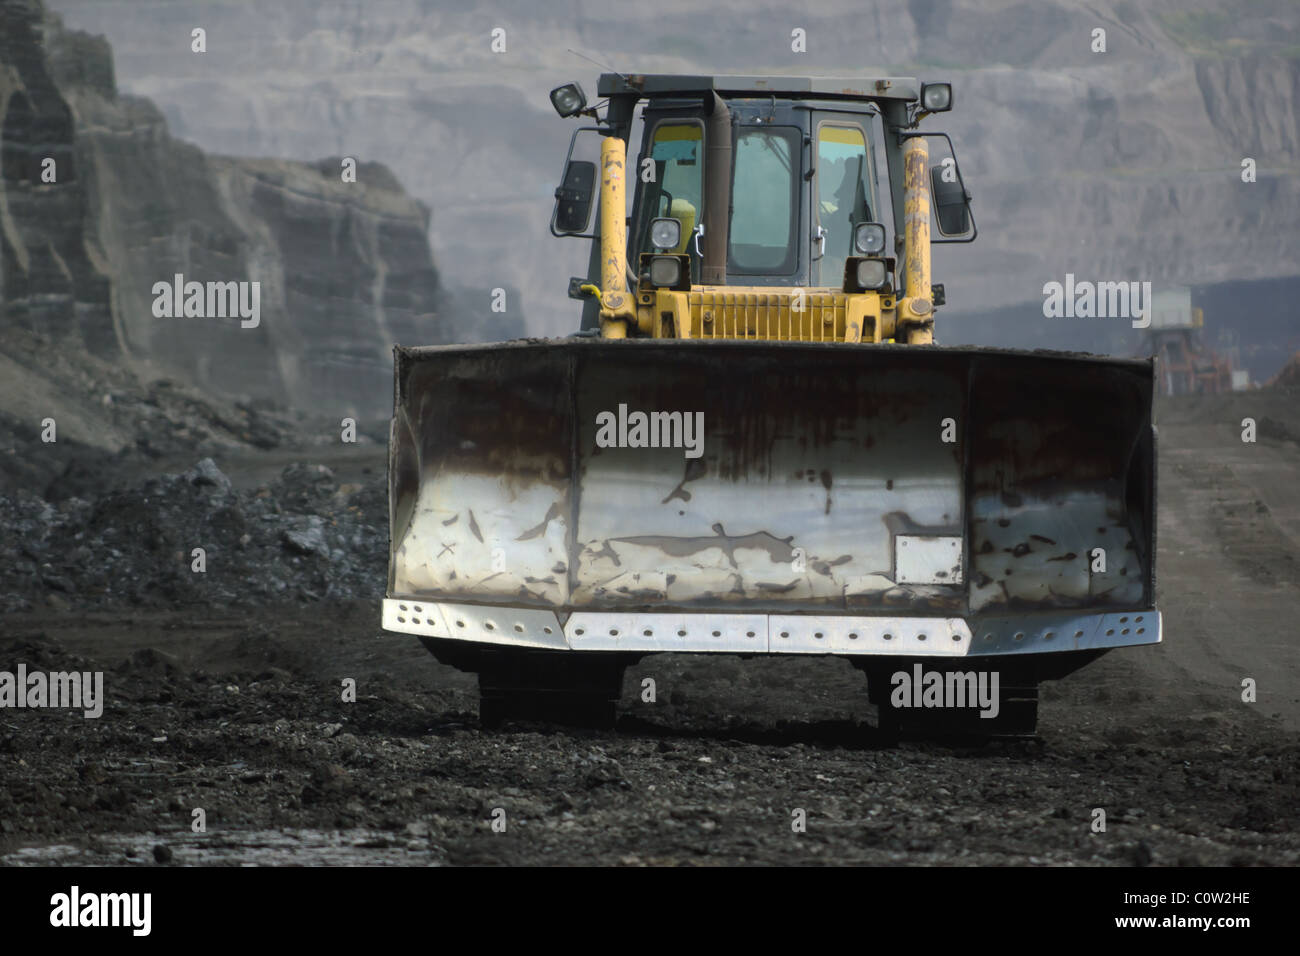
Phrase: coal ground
{"type": "Point", "coordinates": [225, 693]}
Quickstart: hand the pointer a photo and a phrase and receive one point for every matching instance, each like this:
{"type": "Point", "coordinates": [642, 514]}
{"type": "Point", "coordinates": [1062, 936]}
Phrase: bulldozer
{"type": "Point", "coordinates": [752, 444]}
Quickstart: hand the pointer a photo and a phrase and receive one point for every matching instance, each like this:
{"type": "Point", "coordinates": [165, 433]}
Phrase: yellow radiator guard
{"type": "Point", "coordinates": [764, 314]}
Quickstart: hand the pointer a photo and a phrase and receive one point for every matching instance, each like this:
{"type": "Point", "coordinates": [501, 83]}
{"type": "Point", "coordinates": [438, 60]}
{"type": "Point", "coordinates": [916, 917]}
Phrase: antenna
{"type": "Point", "coordinates": [626, 78]}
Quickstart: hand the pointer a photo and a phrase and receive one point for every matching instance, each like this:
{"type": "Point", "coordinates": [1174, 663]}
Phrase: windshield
{"type": "Point", "coordinates": [764, 213]}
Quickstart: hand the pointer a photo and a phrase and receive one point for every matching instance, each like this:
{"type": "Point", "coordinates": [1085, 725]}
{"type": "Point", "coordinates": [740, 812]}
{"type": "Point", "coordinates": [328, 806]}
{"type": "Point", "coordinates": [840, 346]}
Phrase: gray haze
{"type": "Point", "coordinates": [1116, 165]}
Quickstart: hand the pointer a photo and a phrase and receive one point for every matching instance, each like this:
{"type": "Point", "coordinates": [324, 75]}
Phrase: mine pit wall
{"type": "Point", "coordinates": [344, 269]}
{"type": "Point", "coordinates": [48, 279]}
{"type": "Point", "coordinates": [819, 464]}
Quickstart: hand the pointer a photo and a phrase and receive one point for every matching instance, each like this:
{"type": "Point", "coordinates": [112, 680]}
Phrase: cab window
{"type": "Point", "coordinates": [843, 197]}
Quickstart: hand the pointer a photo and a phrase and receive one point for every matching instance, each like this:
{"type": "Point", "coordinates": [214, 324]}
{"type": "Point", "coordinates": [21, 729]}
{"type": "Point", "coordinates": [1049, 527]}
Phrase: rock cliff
{"type": "Point", "coordinates": [99, 203]}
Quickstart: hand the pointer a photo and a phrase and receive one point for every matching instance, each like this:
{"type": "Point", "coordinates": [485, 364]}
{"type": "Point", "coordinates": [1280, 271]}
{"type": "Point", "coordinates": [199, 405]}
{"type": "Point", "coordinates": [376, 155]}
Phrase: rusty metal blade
{"type": "Point", "coordinates": [779, 477]}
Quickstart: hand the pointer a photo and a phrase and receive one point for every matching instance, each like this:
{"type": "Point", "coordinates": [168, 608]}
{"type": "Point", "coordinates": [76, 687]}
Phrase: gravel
{"type": "Point", "coordinates": [303, 538]}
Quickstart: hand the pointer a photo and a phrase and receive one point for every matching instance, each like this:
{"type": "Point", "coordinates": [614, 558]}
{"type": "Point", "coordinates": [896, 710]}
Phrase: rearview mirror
{"type": "Point", "coordinates": [951, 204]}
{"type": "Point", "coordinates": [573, 197]}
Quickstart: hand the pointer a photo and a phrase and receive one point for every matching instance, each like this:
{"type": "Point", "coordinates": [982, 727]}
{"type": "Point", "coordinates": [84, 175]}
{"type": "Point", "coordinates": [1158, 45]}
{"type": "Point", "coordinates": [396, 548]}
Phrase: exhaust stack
{"type": "Point", "coordinates": [916, 311]}
{"type": "Point", "coordinates": [616, 309]}
{"type": "Point", "coordinates": [717, 194]}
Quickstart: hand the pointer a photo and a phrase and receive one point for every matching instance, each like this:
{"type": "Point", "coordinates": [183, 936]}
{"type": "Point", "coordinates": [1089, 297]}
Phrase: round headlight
{"type": "Point", "coordinates": [665, 271]}
{"type": "Point", "coordinates": [665, 233]}
{"type": "Point", "coordinates": [869, 239]}
{"type": "Point", "coordinates": [872, 273]}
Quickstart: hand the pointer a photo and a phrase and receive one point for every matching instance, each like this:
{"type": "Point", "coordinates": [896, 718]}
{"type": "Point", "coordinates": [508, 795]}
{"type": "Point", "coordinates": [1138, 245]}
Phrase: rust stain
{"type": "Point", "coordinates": [695, 468]}
{"type": "Point", "coordinates": [607, 552]}
{"type": "Point", "coordinates": [552, 513]}
{"type": "Point", "coordinates": [775, 588]}
{"type": "Point", "coordinates": [824, 567]}
{"type": "Point", "coordinates": [778, 549]}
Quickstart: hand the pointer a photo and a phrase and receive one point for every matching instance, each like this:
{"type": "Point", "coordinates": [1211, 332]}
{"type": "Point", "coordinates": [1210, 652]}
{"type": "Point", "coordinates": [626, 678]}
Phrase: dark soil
{"type": "Point", "coordinates": [225, 693]}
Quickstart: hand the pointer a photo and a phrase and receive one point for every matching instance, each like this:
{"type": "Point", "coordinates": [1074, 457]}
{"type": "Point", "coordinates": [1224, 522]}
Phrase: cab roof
{"type": "Point", "coordinates": [818, 87]}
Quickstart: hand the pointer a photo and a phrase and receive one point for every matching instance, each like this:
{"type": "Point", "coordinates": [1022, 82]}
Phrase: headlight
{"type": "Point", "coordinates": [568, 99]}
{"type": "Point", "coordinates": [665, 233]}
{"type": "Point", "coordinates": [872, 273]}
{"type": "Point", "coordinates": [869, 239]}
{"type": "Point", "coordinates": [665, 271]}
{"type": "Point", "coordinates": [936, 97]}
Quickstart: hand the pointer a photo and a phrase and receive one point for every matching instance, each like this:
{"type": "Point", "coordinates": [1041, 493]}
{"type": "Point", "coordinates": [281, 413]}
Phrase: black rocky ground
{"type": "Point", "coordinates": [302, 538]}
{"type": "Point", "coordinates": [243, 717]}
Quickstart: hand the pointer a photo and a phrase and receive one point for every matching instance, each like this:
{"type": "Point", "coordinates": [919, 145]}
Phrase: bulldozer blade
{"type": "Point", "coordinates": [755, 486]}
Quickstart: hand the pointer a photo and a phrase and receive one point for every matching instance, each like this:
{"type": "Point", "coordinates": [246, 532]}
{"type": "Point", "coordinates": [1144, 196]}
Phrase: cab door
{"type": "Point", "coordinates": [670, 184]}
{"type": "Point", "coordinates": [843, 192]}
